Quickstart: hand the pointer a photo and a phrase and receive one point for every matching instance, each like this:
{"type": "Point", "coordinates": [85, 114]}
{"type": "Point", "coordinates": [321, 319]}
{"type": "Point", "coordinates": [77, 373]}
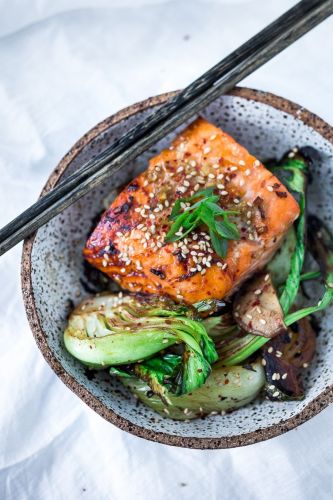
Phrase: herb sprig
{"type": "Point", "coordinates": [204, 211]}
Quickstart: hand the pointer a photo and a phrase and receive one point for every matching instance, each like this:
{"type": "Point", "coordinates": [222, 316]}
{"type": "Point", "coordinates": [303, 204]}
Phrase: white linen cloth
{"type": "Point", "coordinates": [64, 66]}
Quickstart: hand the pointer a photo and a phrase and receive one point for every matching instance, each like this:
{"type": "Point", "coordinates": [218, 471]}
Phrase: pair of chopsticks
{"type": "Point", "coordinates": [221, 78]}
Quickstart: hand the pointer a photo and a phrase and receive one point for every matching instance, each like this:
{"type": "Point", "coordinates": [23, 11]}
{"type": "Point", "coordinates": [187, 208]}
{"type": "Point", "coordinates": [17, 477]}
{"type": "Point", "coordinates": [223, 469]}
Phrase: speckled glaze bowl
{"type": "Point", "coordinates": [53, 273]}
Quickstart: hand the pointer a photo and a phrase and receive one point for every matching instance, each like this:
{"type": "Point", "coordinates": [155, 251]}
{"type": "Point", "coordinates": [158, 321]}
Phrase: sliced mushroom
{"type": "Point", "coordinates": [257, 308]}
{"type": "Point", "coordinates": [285, 356]}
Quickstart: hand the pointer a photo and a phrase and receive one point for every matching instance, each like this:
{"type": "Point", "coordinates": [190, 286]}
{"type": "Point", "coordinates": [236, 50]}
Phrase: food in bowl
{"type": "Point", "coordinates": [208, 246]}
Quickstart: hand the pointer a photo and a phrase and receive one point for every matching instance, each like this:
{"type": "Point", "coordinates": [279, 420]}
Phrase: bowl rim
{"type": "Point", "coordinates": [261, 434]}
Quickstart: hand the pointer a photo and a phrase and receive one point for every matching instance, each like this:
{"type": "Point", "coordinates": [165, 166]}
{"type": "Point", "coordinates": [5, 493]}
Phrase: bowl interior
{"type": "Point", "coordinates": [57, 278]}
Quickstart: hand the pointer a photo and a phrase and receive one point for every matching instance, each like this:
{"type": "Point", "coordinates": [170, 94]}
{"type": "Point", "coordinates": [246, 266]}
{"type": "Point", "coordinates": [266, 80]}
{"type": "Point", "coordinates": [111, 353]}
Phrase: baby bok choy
{"type": "Point", "coordinates": [226, 389]}
{"type": "Point", "coordinates": [113, 330]}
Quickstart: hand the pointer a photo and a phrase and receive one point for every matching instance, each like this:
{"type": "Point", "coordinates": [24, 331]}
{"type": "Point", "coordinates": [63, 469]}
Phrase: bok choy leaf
{"type": "Point", "coordinates": [112, 330]}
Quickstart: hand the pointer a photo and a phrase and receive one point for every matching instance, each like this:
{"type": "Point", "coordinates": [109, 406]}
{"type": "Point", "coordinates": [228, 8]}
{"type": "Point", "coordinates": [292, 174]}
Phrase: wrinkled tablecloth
{"type": "Point", "coordinates": [64, 66]}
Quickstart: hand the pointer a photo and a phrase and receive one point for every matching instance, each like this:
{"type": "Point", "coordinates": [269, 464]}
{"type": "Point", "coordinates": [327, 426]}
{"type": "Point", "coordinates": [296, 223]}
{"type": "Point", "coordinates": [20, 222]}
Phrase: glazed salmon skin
{"type": "Point", "coordinates": [128, 243]}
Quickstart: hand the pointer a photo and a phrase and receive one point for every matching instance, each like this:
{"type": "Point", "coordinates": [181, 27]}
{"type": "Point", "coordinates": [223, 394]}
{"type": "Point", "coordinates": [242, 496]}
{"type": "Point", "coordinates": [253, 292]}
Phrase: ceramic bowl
{"type": "Point", "coordinates": [53, 274]}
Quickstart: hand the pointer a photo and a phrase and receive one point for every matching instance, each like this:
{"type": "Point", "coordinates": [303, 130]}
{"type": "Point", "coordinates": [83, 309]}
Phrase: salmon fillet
{"type": "Point", "coordinates": [128, 243]}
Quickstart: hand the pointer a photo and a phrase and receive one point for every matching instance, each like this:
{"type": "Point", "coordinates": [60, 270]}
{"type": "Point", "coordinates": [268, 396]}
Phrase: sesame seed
{"type": "Point", "coordinates": [216, 166]}
{"type": "Point", "coordinates": [193, 163]}
{"type": "Point", "coordinates": [305, 365]}
{"type": "Point", "coordinates": [257, 292]}
{"type": "Point", "coordinates": [219, 264]}
{"type": "Point", "coordinates": [220, 186]}
{"type": "Point", "coordinates": [166, 203]}
{"type": "Point", "coordinates": [270, 350]}
{"type": "Point", "coordinates": [249, 316]}
{"type": "Point", "coordinates": [166, 409]}
{"type": "Point", "coordinates": [207, 149]}
{"type": "Point", "coordinates": [182, 189]}
{"type": "Point", "coordinates": [123, 270]}
{"type": "Point", "coordinates": [241, 182]}
{"type": "Point", "coordinates": [291, 154]}
{"type": "Point", "coordinates": [233, 168]}
{"type": "Point", "coordinates": [104, 263]}
{"type": "Point", "coordinates": [145, 183]}
{"type": "Point", "coordinates": [263, 362]}
{"type": "Point", "coordinates": [147, 207]}
{"type": "Point", "coordinates": [224, 193]}
{"type": "Point", "coordinates": [258, 309]}
{"type": "Point", "coordinates": [165, 341]}
{"type": "Point", "coordinates": [225, 265]}
{"type": "Point", "coordinates": [152, 216]}
{"type": "Point", "coordinates": [266, 277]}
{"type": "Point", "coordinates": [203, 271]}
{"type": "Point", "coordinates": [151, 195]}
{"type": "Point", "coordinates": [236, 200]}
{"type": "Point", "coordinates": [276, 394]}
{"type": "Point", "coordinates": [220, 176]}
{"type": "Point", "coordinates": [186, 183]}
{"type": "Point", "coordinates": [241, 162]}
{"type": "Point", "coordinates": [247, 171]}
{"type": "Point", "coordinates": [269, 188]}
{"type": "Point", "coordinates": [119, 234]}
{"type": "Point", "coordinates": [211, 176]}
{"type": "Point", "coordinates": [262, 321]}
{"type": "Point", "coordinates": [256, 163]}
{"type": "Point", "coordinates": [249, 204]}
{"type": "Point", "coordinates": [212, 137]}
{"type": "Point", "coordinates": [180, 169]}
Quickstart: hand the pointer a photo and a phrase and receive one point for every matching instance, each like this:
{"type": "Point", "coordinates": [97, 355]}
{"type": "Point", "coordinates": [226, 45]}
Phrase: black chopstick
{"type": "Point", "coordinates": [219, 79]}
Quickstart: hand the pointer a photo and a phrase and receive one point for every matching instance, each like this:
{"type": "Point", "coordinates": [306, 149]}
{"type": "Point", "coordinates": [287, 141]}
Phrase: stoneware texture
{"type": "Point", "coordinates": [53, 277]}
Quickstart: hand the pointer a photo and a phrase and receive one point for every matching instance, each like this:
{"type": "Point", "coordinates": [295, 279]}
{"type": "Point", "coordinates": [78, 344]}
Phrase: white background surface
{"type": "Point", "coordinates": [64, 66]}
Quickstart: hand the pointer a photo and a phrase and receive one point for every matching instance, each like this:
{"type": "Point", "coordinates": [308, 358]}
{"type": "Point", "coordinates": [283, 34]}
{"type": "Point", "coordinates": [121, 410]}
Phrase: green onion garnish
{"type": "Point", "coordinates": [204, 211]}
